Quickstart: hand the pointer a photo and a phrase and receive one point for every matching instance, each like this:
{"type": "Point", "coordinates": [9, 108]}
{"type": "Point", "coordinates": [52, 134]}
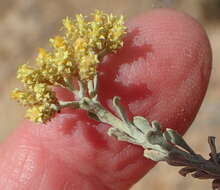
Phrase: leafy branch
{"type": "Point", "coordinates": [159, 145]}
{"type": "Point", "coordinates": [73, 65]}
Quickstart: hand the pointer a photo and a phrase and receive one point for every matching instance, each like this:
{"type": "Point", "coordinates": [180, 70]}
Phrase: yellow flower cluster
{"type": "Point", "coordinates": [75, 54]}
{"type": "Point", "coordinates": [92, 40]}
{"type": "Point", "coordinates": [38, 100]}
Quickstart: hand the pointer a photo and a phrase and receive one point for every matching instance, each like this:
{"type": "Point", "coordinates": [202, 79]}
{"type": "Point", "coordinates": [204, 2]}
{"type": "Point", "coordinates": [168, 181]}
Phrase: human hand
{"type": "Point", "coordinates": [161, 73]}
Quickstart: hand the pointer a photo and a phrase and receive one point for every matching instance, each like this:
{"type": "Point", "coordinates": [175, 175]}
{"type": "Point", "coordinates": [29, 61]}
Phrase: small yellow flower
{"type": "Point", "coordinates": [81, 25]}
{"type": "Point", "coordinates": [43, 58]}
{"type": "Point", "coordinates": [40, 114]}
{"type": "Point", "coordinates": [68, 24]}
{"type": "Point", "coordinates": [76, 53]}
{"type": "Point", "coordinates": [58, 42]}
{"type": "Point", "coordinates": [88, 66]}
{"type": "Point", "coordinates": [42, 52]}
{"type": "Point", "coordinates": [80, 48]}
{"type": "Point", "coordinates": [25, 98]}
{"type": "Point", "coordinates": [28, 75]}
{"type": "Point", "coordinates": [43, 94]}
{"type": "Point", "coordinates": [100, 17]}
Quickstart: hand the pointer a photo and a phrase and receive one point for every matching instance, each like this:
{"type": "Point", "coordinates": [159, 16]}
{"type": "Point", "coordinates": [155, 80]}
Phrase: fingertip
{"type": "Point", "coordinates": [163, 48]}
{"type": "Point", "coordinates": [166, 63]}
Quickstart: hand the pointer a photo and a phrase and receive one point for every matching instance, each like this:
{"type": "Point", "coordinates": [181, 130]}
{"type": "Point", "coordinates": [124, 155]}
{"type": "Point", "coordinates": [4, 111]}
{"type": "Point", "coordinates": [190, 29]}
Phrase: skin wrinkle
{"type": "Point", "coordinates": [123, 158]}
{"type": "Point", "coordinates": [4, 154]}
{"type": "Point", "coordinates": [69, 186]}
{"type": "Point", "coordinates": [22, 172]}
{"type": "Point", "coordinates": [130, 167]}
{"type": "Point", "coordinates": [43, 183]}
{"type": "Point", "coordinates": [52, 169]}
{"type": "Point", "coordinates": [12, 179]}
{"type": "Point", "coordinates": [97, 181]}
{"type": "Point", "coordinates": [21, 168]}
{"type": "Point", "coordinates": [42, 178]}
{"type": "Point", "coordinates": [36, 173]}
{"type": "Point", "coordinates": [7, 182]}
{"type": "Point", "coordinates": [125, 181]}
{"type": "Point", "coordinates": [28, 170]}
{"type": "Point", "coordinates": [89, 181]}
{"type": "Point", "coordinates": [64, 172]}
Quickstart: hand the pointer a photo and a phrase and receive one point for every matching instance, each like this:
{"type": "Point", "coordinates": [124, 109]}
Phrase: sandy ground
{"type": "Point", "coordinates": [26, 25]}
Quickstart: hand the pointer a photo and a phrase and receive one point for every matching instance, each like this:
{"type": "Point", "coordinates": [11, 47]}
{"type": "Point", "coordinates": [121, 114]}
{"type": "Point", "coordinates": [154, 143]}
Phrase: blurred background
{"type": "Point", "coordinates": [26, 25]}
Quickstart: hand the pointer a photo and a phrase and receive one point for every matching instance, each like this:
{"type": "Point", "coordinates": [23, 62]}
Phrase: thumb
{"type": "Point", "coordinates": [161, 73]}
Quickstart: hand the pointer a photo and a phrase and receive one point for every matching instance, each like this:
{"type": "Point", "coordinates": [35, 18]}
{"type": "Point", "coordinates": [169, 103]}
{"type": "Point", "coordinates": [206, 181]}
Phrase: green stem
{"type": "Point", "coordinates": [71, 104]}
{"type": "Point", "coordinates": [104, 115]}
{"type": "Point", "coordinates": [70, 86]}
{"type": "Point", "coordinates": [82, 89]}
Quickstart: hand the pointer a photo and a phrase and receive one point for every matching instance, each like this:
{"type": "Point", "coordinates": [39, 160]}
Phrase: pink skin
{"type": "Point", "coordinates": [161, 73]}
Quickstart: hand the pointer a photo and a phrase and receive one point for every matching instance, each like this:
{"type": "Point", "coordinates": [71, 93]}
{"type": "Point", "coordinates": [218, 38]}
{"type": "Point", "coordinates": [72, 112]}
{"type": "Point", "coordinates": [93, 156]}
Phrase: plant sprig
{"type": "Point", "coordinates": [75, 57]}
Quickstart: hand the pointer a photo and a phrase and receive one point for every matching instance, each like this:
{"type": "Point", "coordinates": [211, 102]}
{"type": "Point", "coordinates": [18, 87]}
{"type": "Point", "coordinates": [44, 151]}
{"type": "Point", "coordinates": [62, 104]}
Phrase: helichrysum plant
{"type": "Point", "coordinates": [75, 56]}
